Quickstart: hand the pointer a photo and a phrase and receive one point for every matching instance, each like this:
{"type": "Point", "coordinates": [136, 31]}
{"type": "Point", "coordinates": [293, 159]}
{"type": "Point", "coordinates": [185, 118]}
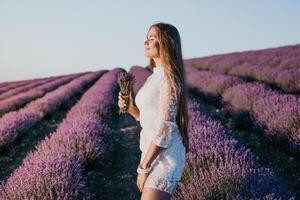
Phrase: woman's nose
{"type": "Point", "coordinates": [146, 42]}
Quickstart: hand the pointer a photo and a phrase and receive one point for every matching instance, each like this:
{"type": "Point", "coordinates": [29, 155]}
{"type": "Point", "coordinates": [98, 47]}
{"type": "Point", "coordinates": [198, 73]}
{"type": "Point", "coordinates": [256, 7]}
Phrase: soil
{"type": "Point", "coordinates": [114, 176]}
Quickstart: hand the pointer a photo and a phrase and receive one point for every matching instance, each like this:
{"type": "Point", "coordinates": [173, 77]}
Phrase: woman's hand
{"type": "Point", "coordinates": [121, 102]}
{"type": "Point", "coordinates": [141, 179]}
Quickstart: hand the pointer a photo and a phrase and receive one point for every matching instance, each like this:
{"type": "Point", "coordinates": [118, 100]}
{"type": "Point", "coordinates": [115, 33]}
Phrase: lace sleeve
{"type": "Point", "coordinates": [167, 111]}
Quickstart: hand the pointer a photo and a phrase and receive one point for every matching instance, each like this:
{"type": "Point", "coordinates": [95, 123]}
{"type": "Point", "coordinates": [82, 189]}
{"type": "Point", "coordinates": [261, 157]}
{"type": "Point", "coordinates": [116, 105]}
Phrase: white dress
{"type": "Point", "coordinates": [157, 104]}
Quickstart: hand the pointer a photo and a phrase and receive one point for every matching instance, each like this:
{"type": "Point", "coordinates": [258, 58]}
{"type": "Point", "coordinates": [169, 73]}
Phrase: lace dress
{"type": "Point", "coordinates": [158, 108]}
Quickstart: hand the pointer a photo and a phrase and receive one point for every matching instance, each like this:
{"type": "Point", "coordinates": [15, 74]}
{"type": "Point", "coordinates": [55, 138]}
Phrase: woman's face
{"type": "Point", "coordinates": [151, 45]}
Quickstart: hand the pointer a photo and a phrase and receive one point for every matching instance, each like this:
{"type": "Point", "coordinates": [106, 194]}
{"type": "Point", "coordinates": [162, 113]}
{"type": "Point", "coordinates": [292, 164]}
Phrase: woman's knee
{"type": "Point", "coordinates": [154, 194]}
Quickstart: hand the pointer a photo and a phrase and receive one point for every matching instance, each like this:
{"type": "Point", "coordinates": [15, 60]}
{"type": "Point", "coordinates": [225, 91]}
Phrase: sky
{"type": "Point", "coordinates": [56, 37]}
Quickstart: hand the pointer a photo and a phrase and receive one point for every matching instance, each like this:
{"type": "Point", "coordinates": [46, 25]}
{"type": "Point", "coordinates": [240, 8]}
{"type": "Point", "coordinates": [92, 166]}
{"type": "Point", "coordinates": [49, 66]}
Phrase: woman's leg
{"type": "Point", "coordinates": [154, 194]}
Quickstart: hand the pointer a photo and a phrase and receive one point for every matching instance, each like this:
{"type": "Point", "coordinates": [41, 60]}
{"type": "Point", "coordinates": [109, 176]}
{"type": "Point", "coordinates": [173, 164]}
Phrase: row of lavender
{"type": "Point", "coordinates": [16, 123]}
{"type": "Point", "coordinates": [17, 101]}
{"type": "Point", "coordinates": [218, 166]}
{"type": "Point", "coordinates": [15, 83]}
{"type": "Point", "coordinates": [256, 65]}
{"type": "Point", "coordinates": [55, 169]}
{"type": "Point", "coordinates": [6, 86]}
{"type": "Point", "coordinates": [25, 87]}
{"type": "Point", "coordinates": [276, 113]}
{"type": "Point", "coordinates": [286, 57]}
{"type": "Point", "coordinates": [29, 86]}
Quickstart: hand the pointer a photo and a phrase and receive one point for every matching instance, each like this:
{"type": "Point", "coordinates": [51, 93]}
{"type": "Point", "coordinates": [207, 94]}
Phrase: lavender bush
{"type": "Point", "coordinates": [211, 84]}
{"type": "Point", "coordinates": [241, 97]}
{"type": "Point", "coordinates": [141, 75]}
{"type": "Point", "coordinates": [278, 115]}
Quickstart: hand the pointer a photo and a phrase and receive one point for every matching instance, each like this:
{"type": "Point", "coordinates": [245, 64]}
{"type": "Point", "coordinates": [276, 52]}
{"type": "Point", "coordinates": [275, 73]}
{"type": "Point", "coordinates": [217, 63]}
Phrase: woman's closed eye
{"type": "Point", "coordinates": [147, 41]}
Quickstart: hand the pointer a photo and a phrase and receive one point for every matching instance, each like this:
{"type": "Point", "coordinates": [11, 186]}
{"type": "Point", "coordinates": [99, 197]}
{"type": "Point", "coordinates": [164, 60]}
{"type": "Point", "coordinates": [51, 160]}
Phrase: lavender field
{"type": "Point", "coordinates": [62, 137]}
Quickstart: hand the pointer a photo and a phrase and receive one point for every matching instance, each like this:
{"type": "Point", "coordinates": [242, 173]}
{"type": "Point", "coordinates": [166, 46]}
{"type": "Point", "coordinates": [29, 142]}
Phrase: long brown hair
{"type": "Point", "coordinates": [171, 54]}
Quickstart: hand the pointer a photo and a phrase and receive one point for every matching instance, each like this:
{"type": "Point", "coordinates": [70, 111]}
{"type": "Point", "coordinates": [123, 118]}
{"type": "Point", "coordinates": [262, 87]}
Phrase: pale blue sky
{"type": "Point", "coordinates": [44, 38]}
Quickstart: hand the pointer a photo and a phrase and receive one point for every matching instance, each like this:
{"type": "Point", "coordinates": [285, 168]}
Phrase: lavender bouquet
{"type": "Point", "coordinates": [126, 81]}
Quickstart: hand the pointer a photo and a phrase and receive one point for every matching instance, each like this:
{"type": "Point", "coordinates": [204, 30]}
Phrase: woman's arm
{"type": "Point", "coordinates": [151, 154]}
{"type": "Point", "coordinates": [135, 112]}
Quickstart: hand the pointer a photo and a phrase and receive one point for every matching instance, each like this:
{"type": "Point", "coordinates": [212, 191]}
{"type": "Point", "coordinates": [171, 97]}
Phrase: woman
{"type": "Point", "coordinates": [162, 111]}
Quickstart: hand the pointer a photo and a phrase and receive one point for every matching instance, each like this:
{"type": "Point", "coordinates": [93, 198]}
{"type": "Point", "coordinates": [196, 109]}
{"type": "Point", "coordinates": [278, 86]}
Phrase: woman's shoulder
{"type": "Point", "coordinates": [157, 76]}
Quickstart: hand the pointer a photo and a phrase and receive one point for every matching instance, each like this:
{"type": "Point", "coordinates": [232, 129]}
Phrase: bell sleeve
{"type": "Point", "coordinates": [167, 110]}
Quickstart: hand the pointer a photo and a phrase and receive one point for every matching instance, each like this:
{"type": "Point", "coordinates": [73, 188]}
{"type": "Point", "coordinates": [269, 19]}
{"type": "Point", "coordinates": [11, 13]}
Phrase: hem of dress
{"type": "Point", "coordinates": [164, 177]}
{"type": "Point", "coordinates": [147, 186]}
{"type": "Point", "coordinates": [153, 187]}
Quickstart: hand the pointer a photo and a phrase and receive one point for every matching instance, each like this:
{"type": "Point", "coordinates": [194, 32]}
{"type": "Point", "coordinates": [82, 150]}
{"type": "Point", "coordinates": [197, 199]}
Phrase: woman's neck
{"type": "Point", "coordinates": [158, 62]}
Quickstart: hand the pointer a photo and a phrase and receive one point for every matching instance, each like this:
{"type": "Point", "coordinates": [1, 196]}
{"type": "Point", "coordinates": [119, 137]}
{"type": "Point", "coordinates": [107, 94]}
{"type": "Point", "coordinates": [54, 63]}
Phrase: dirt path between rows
{"type": "Point", "coordinates": [114, 177]}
